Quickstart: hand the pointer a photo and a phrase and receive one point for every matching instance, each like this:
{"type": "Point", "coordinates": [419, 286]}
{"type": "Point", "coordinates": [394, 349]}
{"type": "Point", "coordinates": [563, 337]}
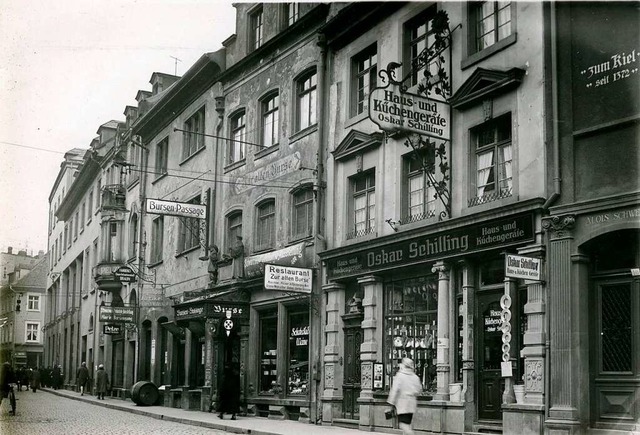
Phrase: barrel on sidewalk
{"type": "Point", "coordinates": [144, 393]}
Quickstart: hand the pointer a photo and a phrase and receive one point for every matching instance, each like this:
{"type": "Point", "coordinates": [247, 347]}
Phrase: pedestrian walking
{"type": "Point", "coordinates": [229, 393]}
{"type": "Point", "coordinates": [56, 376]}
{"type": "Point", "coordinates": [34, 379]}
{"type": "Point", "coordinates": [83, 377]}
{"type": "Point", "coordinates": [7, 377]}
{"type": "Point", "coordinates": [406, 386]}
{"type": "Point", "coordinates": [102, 382]}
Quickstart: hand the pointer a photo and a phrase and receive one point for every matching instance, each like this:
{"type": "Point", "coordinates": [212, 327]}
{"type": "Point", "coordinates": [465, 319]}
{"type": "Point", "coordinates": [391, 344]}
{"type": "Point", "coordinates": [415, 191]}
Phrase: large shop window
{"type": "Point", "coordinates": [410, 327]}
{"type": "Point", "coordinates": [269, 352]}
{"type": "Point", "coordinates": [298, 374]}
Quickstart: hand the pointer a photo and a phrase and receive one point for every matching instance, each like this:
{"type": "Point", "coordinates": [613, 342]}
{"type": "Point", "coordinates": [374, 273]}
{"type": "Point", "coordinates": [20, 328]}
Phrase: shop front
{"type": "Point", "coordinates": [436, 297]}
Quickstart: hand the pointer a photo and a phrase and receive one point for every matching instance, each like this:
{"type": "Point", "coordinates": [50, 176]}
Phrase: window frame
{"type": "Point", "coordinates": [156, 254]}
{"type": "Point", "coordinates": [291, 14]}
{"type": "Point", "coordinates": [233, 227]}
{"type": "Point", "coordinates": [425, 17]}
{"type": "Point", "coordinates": [474, 56]}
{"type": "Point", "coordinates": [36, 300]}
{"type": "Point", "coordinates": [370, 208]}
{"type": "Point", "coordinates": [270, 111]}
{"type": "Point", "coordinates": [238, 136]}
{"type": "Point", "coordinates": [265, 225]}
{"type": "Point", "coordinates": [256, 28]}
{"type": "Point", "coordinates": [294, 311]}
{"type": "Point", "coordinates": [429, 202]}
{"type": "Point", "coordinates": [162, 158]}
{"type": "Point", "coordinates": [35, 331]}
{"type": "Point", "coordinates": [186, 226]}
{"type": "Point", "coordinates": [193, 134]}
{"type": "Point", "coordinates": [369, 72]}
{"type": "Point", "coordinates": [268, 315]}
{"type": "Point", "coordinates": [302, 92]}
{"type": "Point", "coordinates": [308, 205]}
{"type": "Point", "coordinates": [494, 147]}
{"type": "Point", "coordinates": [133, 235]}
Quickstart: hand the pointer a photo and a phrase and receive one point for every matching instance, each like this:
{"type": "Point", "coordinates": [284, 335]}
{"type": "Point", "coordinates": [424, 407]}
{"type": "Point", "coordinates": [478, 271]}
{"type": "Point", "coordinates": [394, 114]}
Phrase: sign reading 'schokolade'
{"type": "Point", "coordinates": [444, 244]}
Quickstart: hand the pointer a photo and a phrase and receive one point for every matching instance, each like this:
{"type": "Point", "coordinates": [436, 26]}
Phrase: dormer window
{"type": "Point", "coordinates": [255, 29]}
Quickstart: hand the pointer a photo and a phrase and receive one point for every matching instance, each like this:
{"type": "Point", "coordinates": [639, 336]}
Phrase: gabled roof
{"type": "Point", "coordinates": [354, 142]}
{"type": "Point", "coordinates": [485, 83]}
{"type": "Point", "coordinates": [110, 124]}
{"type": "Point", "coordinates": [36, 278]}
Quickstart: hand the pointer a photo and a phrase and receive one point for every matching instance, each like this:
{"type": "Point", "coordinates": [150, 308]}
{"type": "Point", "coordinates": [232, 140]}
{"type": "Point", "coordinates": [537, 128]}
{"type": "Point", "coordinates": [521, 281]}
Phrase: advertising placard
{"type": "Point", "coordinates": [286, 278]}
{"type": "Point", "coordinates": [517, 266]}
{"type": "Point", "coordinates": [112, 329]}
{"type": "Point", "coordinates": [117, 314]}
{"type": "Point", "coordinates": [174, 208]}
{"type": "Point", "coordinates": [125, 274]}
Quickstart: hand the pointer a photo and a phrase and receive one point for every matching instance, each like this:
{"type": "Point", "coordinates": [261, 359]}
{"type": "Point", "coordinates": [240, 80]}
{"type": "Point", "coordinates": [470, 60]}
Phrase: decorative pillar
{"type": "Point", "coordinates": [332, 369]}
{"type": "Point", "coordinates": [188, 344]}
{"type": "Point", "coordinates": [443, 366]}
{"type": "Point", "coordinates": [506, 303]}
{"type": "Point", "coordinates": [209, 331]}
{"type": "Point", "coordinates": [562, 405]}
{"type": "Point", "coordinates": [533, 350]}
{"type": "Point", "coordinates": [468, 355]}
{"type": "Point", "coordinates": [369, 350]}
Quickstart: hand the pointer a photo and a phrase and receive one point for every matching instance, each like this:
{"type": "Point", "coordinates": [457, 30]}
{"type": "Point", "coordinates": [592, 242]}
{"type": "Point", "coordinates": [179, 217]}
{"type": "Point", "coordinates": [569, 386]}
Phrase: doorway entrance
{"type": "Point", "coordinates": [353, 338]}
{"type": "Point", "coordinates": [489, 356]}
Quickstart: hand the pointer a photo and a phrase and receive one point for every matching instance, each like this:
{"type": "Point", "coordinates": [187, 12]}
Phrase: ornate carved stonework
{"type": "Point", "coordinates": [533, 372]}
{"type": "Point", "coordinates": [442, 270]}
{"type": "Point", "coordinates": [468, 365]}
{"type": "Point", "coordinates": [329, 371]}
{"type": "Point", "coordinates": [367, 376]}
{"type": "Point", "coordinates": [561, 225]}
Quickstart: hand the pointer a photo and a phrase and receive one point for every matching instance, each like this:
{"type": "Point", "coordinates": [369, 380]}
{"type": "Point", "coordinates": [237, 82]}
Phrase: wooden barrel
{"type": "Point", "coordinates": [144, 393]}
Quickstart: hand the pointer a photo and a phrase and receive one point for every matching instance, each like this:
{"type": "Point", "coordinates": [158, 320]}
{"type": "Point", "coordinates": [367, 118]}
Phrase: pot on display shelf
{"type": "Point", "coordinates": [398, 341]}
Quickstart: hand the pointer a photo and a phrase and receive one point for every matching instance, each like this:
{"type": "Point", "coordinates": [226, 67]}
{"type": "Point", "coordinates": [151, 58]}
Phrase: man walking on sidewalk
{"type": "Point", "coordinates": [83, 376]}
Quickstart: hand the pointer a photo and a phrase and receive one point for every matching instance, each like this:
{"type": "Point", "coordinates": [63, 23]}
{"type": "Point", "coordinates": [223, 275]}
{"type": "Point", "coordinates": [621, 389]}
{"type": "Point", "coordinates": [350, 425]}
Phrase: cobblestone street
{"type": "Point", "coordinates": [45, 413]}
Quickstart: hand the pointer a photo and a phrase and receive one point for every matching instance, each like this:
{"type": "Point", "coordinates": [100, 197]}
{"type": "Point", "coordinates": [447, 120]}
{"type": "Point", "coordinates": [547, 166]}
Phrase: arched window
{"type": "Point", "coordinates": [133, 236]}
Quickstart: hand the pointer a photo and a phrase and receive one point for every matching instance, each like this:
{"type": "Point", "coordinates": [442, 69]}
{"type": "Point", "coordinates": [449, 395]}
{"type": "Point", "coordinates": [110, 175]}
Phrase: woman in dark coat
{"type": "Point", "coordinates": [34, 381]}
{"type": "Point", "coordinates": [56, 376]}
{"type": "Point", "coordinates": [102, 382]}
{"type": "Point", "coordinates": [229, 393]}
{"type": "Point", "coordinates": [83, 377]}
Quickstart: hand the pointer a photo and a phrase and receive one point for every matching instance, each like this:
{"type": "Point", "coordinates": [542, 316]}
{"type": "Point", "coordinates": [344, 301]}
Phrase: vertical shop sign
{"type": "Point", "coordinates": [153, 351]}
{"type": "Point", "coordinates": [505, 304]}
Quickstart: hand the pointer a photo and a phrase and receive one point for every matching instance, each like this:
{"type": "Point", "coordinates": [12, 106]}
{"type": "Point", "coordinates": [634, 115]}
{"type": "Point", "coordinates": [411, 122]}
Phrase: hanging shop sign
{"type": "Point", "coordinates": [286, 278]}
{"type": "Point", "coordinates": [439, 245]}
{"type": "Point", "coordinates": [517, 266]}
{"type": "Point", "coordinates": [174, 208]}
{"type": "Point", "coordinates": [290, 256]}
{"type": "Point", "coordinates": [125, 274]}
{"type": "Point", "coordinates": [117, 314]}
{"type": "Point", "coordinates": [394, 110]}
{"type": "Point", "coordinates": [192, 312]}
{"type": "Point", "coordinates": [112, 329]}
{"type": "Point", "coordinates": [219, 309]}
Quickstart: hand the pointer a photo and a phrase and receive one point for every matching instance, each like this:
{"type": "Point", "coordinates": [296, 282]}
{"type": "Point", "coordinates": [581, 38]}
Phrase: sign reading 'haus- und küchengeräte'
{"type": "Point", "coordinates": [438, 245]}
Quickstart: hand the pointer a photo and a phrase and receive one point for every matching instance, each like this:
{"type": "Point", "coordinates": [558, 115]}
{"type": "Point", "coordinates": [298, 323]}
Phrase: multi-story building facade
{"type": "Point", "coordinates": [22, 307]}
{"type": "Point", "coordinates": [427, 196]}
{"type": "Point", "coordinates": [19, 262]}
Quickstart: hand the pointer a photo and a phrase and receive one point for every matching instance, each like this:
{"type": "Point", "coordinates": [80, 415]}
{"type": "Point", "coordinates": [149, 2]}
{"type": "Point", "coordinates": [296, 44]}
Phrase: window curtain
{"type": "Point", "coordinates": [485, 167]}
{"type": "Point", "coordinates": [506, 180]}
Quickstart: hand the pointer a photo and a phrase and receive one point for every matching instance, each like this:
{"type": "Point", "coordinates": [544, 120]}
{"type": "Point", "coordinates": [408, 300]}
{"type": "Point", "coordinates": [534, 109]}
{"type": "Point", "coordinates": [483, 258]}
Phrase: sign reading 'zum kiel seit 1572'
{"type": "Point", "coordinates": [174, 208]}
{"type": "Point", "coordinates": [394, 110]}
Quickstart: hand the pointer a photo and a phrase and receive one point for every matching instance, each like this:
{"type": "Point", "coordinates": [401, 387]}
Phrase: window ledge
{"type": "Point", "coordinates": [489, 51]}
{"type": "Point", "coordinates": [262, 250]}
{"type": "Point", "coordinates": [235, 165]}
{"type": "Point", "coordinates": [198, 151]}
{"type": "Point", "coordinates": [302, 133]}
{"type": "Point", "coordinates": [131, 260]}
{"type": "Point", "coordinates": [88, 221]}
{"type": "Point", "coordinates": [356, 119]}
{"type": "Point", "coordinates": [133, 183]}
{"type": "Point", "coordinates": [298, 239]}
{"type": "Point", "coordinates": [266, 151]}
{"type": "Point", "coordinates": [490, 205]}
{"type": "Point", "coordinates": [186, 251]}
{"type": "Point", "coordinates": [160, 177]}
{"type": "Point", "coordinates": [157, 263]}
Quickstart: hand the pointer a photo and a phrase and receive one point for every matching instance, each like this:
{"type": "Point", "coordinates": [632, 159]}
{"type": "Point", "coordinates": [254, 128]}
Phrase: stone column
{"type": "Point", "coordinates": [369, 350]}
{"type": "Point", "coordinates": [332, 370]}
{"type": "Point", "coordinates": [209, 328]}
{"type": "Point", "coordinates": [562, 311]}
{"type": "Point", "coordinates": [443, 365]}
{"type": "Point", "coordinates": [535, 336]}
{"type": "Point", "coordinates": [468, 355]}
{"type": "Point", "coordinates": [188, 343]}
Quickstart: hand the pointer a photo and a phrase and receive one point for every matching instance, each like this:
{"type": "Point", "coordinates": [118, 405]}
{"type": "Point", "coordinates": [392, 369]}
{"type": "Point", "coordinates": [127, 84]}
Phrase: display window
{"type": "Point", "coordinates": [411, 315]}
{"type": "Point", "coordinates": [269, 353]}
{"type": "Point", "coordinates": [298, 373]}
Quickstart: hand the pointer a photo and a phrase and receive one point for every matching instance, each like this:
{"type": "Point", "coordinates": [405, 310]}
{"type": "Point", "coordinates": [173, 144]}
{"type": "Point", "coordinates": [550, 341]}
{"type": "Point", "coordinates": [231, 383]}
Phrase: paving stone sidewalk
{"type": "Point", "coordinates": [243, 425]}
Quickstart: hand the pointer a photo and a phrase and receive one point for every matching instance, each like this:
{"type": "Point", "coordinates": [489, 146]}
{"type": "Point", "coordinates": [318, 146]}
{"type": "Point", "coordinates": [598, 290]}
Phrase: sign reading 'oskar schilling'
{"type": "Point", "coordinates": [517, 266]}
{"type": "Point", "coordinates": [173, 208]}
{"type": "Point", "coordinates": [394, 110]}
{"type": "Point", "coordinates": [443, 244]}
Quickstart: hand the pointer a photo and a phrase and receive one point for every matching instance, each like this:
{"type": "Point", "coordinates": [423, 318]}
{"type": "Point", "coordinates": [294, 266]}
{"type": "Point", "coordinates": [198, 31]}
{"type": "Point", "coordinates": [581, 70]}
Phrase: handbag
{"type": "Point", "coordinates": [388, 414]}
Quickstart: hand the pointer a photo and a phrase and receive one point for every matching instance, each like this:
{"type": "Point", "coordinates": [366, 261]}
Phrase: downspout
{"type": "Point", "coordinates": [555, 143]}
{"type": "Point", "coordinates": [316, 302]}
{"type": "Point", "coordinates": [142, 253]}
{"type": "Point", "coordinates": [556, 183]}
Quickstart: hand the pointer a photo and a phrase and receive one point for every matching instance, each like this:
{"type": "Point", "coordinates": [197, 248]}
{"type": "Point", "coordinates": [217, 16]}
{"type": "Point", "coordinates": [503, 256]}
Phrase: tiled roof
{"type": "Point", "coordinates": [37, 278]}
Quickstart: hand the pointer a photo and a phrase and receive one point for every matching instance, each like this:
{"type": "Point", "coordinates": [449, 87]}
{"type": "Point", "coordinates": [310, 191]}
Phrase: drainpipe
{"type": "Point", "coordinates": [316, 301]}
{"type": "Point", "coordinates": [144, 166]}
{"type": "Point", "coordinates": [554, 108]}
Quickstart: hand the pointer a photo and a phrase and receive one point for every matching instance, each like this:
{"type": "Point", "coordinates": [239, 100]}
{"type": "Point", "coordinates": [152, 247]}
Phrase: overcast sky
{"type": "Point", "coordinates": [66, 67]}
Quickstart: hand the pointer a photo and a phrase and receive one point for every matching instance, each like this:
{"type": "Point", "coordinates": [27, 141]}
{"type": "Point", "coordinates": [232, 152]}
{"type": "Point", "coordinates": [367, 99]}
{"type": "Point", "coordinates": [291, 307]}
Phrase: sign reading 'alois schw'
{"type": "Point", "coordinates": [439, 245]}
{"type": "Point", "coordinates": [394, 110]}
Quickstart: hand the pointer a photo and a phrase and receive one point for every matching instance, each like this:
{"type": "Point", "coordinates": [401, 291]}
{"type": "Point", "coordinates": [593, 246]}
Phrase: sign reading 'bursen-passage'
{"type": "Point", "coordinates": [173, 208]}
{"type": "Point", "coordinates": [439, 245]}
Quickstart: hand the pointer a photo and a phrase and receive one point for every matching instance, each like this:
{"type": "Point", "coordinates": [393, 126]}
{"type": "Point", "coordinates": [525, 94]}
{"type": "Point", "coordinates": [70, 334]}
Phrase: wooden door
{"type": "Point", "coordinates": [353, 338]}
{"type": "Point", "coordinates": [490, 381]}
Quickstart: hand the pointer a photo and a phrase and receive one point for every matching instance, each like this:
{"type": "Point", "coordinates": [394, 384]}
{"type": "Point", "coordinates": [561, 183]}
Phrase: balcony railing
{"type": "Point", "coordinates": [493, 196]}
{"type": "Point", "coordinates": [360, 233]}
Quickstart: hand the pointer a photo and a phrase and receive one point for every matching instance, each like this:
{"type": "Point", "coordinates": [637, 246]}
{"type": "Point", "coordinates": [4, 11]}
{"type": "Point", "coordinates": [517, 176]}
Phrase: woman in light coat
{"type": "Point", "coordinates": [102, 382]}
{"type": "Point", "coordinates": [406, 386]}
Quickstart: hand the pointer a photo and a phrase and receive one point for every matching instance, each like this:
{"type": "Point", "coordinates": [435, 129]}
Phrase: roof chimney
{"type": "Point", "coordinates": [10, 250]}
